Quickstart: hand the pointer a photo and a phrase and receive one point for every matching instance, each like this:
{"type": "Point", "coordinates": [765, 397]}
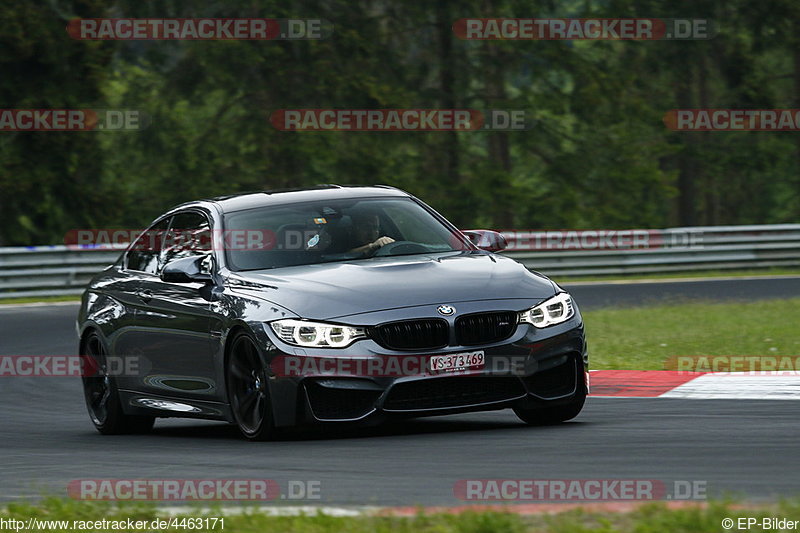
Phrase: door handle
{"type": "Point", "coordinates": [145, 295]}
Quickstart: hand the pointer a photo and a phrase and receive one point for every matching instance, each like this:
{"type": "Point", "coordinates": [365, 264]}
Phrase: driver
{"type": "Point", "coordinates": [366, 230]}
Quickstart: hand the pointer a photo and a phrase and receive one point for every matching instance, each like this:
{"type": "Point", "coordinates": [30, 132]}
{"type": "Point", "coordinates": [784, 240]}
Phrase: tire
{"type": "Point", "coordinates": [248, 392]}
{"type": "Point", "coordinates": [547, 416]}
{"type": "Point", "coordinates": [102, 396]}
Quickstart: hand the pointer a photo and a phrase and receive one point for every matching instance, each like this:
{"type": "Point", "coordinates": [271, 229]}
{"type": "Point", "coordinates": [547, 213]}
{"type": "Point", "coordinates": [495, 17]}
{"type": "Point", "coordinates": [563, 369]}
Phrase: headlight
{"type": "Point", "coordinates": [316, 334]}
{"type": "Point", "coordinates": [556, 310]}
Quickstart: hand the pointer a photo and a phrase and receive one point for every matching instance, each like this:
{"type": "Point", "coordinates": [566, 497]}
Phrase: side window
{"type": "Point", "coordinates": [188, 235]}
{"type": "Point", "coordinates": [143, 255]}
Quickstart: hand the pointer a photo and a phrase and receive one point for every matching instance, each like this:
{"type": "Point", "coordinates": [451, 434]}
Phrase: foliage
{"type": "Point", "coordinates": [598, 154]}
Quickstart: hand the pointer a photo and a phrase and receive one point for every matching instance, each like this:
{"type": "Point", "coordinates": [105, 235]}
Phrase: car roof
{"type": "Point", "coordinates": [249, 200]}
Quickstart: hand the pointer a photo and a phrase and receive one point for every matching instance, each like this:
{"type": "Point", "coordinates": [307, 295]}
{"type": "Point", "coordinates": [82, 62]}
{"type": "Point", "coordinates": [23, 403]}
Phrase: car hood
{"type": "Point", "coordinates": [334, 290]}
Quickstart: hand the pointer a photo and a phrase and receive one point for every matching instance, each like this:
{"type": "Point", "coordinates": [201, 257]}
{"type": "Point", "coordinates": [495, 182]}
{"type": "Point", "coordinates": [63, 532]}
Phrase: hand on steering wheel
{"type": "Point", "coordinates": [378, 243]}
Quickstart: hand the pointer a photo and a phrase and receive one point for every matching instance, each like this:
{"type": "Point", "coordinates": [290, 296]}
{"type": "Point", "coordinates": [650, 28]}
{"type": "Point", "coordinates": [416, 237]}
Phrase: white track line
{"type": "Point", "coordinates": [740, 386]}
{"type": "Point", "coordinates": [277, 510]}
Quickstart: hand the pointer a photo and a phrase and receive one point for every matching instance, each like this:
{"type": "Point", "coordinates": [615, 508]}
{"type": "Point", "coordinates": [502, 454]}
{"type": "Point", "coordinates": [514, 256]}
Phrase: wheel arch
{"type": "Point", "coordinates": [88, 329]}
{"type": "Point", "coordinates": [278, 395]}
{"type": "Point", "coordinates": [235, 329]}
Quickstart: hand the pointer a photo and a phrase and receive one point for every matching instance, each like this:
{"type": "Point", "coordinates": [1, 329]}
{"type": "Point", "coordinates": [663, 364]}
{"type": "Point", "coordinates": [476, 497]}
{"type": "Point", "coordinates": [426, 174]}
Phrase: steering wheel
{"type": "Point", "coordinates": [405, 247]}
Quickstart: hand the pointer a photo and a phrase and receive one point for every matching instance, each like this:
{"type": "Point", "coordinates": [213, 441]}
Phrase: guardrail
{"type": "Point", "coordinates": [56, 270]}
{"type": "Point", "coordinates": [60, 270]}
{"type": "Point", "coordinates": [674, 250]}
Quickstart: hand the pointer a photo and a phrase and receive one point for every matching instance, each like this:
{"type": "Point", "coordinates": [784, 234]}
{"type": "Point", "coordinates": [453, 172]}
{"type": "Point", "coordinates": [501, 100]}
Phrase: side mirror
{"type": "Point", "coordinates": [485, 239]}
{"type": "Point", "coordinates": [187, 270]}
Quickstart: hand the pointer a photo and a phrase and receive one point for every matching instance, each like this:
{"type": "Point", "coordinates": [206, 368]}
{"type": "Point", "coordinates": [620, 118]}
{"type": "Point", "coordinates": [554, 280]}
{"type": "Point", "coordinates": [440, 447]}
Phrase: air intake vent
{"type": "Point", "coordinates": [443, 393]}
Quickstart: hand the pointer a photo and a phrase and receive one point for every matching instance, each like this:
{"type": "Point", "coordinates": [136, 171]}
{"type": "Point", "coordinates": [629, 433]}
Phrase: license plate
{"type": "Point", "coordinates": [457, 361]}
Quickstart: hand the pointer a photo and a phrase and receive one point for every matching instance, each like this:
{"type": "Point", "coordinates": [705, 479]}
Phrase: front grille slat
{"type": "Point", "coordinates": [485, 328]}
{"type": "Point", "coordinates": [424, 334]}
{"type": "Point", "coordinates": [433, 333]}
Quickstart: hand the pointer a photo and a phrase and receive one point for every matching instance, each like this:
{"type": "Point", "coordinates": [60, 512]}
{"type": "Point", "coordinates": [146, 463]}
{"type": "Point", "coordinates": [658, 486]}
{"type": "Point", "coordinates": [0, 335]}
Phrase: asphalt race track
{"type": "Point", "coordinates": [596, 295]}
{"type": "Point", "coordinates": [745, 448]}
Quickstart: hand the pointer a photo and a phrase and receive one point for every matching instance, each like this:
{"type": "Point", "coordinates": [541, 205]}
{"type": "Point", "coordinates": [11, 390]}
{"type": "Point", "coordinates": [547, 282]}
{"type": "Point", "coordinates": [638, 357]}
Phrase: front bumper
{"type": "Point", "coordinates": [547, 367]}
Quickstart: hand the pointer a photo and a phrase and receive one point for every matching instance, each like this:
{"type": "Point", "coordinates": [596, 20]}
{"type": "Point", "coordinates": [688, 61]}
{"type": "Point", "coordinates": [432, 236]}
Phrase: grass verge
{"type": "Point", "coordinates": [642, 338]}
{"type": "Point", "coordinates": [651, 518]}
{"type": "Point", "coordinates": [41, 299]}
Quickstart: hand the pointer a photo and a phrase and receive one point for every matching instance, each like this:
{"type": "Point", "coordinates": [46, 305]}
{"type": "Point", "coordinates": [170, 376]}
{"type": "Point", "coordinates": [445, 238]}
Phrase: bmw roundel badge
{"type": "Point", "coordinates": [446, 310]}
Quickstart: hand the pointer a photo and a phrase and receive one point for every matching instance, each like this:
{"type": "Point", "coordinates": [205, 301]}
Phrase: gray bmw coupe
{"type": "Point", "coordinates": [327, 305]}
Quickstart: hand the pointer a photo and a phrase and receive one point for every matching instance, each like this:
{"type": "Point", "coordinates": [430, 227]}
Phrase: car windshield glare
{"type": "Point", "coordinates": [334, 230]}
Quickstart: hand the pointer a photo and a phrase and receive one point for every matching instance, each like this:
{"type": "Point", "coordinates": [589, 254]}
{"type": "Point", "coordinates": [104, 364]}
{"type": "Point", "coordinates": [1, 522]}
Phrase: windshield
{"type": "Point", "coordinates": [336, 230]}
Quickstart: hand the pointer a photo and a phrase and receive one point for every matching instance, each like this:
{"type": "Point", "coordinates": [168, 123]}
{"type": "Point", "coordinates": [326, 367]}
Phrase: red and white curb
{"type": "Point", "coordinates": [772, 385]}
